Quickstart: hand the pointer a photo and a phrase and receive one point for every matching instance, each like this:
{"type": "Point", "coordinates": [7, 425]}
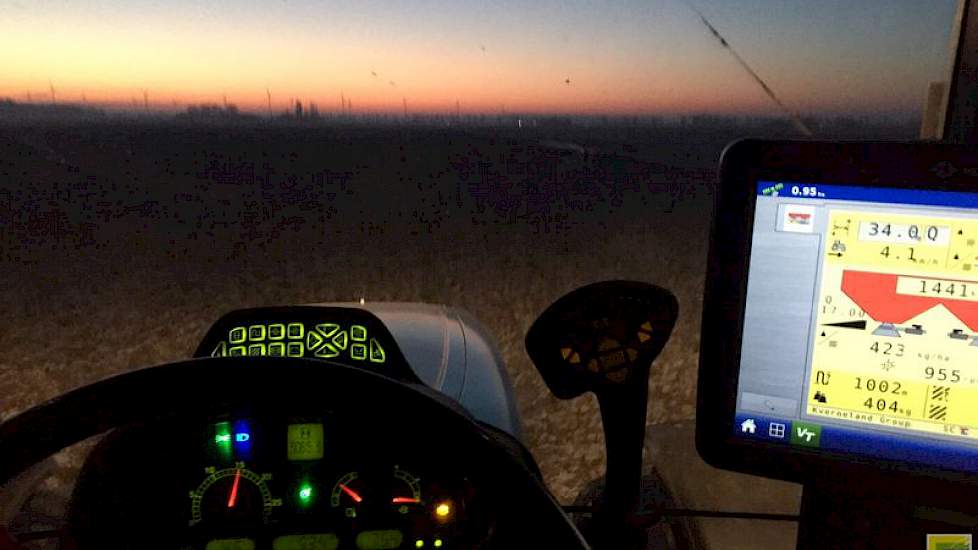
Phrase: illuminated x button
{"type": "Point", "coordinates": [340, 340]}
{"type": "Point", "coordinates": [328, 329]}
{"type": "Point", "coordinates": [327, 351]}
{"type": "Point", "coordinates": [314, 340]}
{"type": "Point", "coordinates": [236, 351]}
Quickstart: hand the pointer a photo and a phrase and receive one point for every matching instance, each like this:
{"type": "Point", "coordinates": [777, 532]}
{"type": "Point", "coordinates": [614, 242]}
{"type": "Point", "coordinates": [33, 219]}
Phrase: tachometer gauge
{"type": "Point", "coordinates": [347, 494]}
{"type": "Point", "coordinates": [232, 496]}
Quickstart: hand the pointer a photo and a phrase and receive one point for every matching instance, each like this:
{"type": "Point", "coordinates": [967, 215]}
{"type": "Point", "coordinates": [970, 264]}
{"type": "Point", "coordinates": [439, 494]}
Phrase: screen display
{"type": "Point", "coordinates": [861, 323]}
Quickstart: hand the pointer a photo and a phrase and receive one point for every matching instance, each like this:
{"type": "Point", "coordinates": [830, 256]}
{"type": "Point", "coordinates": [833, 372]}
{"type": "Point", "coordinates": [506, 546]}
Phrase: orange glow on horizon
{"type": "Point", "coordinates": [112, 60]}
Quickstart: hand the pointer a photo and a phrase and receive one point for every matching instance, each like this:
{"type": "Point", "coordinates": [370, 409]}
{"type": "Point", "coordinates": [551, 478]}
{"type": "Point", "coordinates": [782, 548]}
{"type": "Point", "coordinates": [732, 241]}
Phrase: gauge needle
{"type": "Point", "coordinates": [404, 500]}
{"type": "Point", "coordinates": [353, 494]}
{"type": "Point", "coordinates": [234, 488]}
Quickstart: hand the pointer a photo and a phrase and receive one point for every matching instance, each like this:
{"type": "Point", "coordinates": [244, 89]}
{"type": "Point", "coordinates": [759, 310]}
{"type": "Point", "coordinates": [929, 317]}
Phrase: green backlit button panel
{"type": "Point", "coordinates": [322, 340]}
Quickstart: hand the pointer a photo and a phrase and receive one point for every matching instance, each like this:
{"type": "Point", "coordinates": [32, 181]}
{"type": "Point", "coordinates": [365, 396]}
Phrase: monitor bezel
{"type": "Point", "coordinates": [907, 165]}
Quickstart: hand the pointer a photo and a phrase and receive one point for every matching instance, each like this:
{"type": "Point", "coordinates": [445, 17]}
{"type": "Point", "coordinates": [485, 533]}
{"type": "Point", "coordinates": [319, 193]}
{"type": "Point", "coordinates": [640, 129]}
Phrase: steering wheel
{"type": "Point", "coordinates": [172, 395]}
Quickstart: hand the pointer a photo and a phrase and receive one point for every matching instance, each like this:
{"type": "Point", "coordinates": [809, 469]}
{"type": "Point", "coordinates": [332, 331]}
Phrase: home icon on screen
{"type": "Point", "coordinates": [748, 426]}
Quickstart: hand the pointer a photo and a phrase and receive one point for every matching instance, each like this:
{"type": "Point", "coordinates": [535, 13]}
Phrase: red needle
{"type": "Point", "coordinates": [403, 500]}
{"type": "Point", "coordinates": [234, 488]}
{"type": "Point", "coordinates": [353, 494]}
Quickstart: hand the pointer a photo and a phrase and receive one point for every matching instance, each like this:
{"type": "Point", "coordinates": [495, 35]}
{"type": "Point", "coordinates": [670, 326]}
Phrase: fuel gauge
{"type": "Point", "coordinates": [405, 491]}
{"type": "Point", "coordinates": [348, 494]}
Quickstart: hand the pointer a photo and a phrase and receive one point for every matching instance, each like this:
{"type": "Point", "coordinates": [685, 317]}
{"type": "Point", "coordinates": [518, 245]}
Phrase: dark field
{"type": "Point", "coordinates": [119, 245]}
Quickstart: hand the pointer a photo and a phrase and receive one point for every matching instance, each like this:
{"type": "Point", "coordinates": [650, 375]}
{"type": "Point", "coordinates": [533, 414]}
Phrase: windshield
{"type": "Point", "coordinates": [166, 162]}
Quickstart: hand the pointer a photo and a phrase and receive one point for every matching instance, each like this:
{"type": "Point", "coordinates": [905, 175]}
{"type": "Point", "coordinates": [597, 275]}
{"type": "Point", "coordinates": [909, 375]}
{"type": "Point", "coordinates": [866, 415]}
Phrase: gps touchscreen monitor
{"type": "Point", "coordinates": [846, 308]}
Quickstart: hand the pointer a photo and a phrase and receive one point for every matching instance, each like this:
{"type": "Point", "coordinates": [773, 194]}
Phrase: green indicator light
{"type": "Point", "coordinates": [276, 332]}
{"type": "Point", "coordinates": [237, 351]}
{"type": "Point", "coordinates": [327, 541]}
{"type": "Point", "coordinates": [419, 543]}
{"type": "Point", "coordinates": [276, 349]}
{"type": "Point", "coordinates": [222, 438]}
{"type": "Point", "coordinates": [237, 335]}
{"type": "Point", "coordinates": [437, 543]}
{"type": "Point", "coordinates": [256, 333]}
{"type": "Point", "coordinates": [358, 352]}
{"type": "Point", "coordinates": [296, 331]}
{"type": "Point", "coordinates": [256, 349]}
{"type": "Point", "coordinates": [380, 540]}
{"type": "Point", "coordinates": [305, 494]}
{"type": "Point", "coordinates": [377, 354]}
{"type": "Point", "coordinates": [358, 333]}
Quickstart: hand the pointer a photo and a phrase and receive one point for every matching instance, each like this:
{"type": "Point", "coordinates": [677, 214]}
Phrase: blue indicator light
{"type": "Point", "coordinates": [242, 440]}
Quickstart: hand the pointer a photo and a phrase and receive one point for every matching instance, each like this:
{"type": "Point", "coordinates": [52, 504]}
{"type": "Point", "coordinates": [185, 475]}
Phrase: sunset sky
{"type": "Point", "coordinates": [624, 56]}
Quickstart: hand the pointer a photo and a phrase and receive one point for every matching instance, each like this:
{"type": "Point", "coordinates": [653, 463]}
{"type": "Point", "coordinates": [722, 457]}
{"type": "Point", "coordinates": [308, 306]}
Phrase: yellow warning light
{"type": "Point", "coordinates": [443, 510]}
